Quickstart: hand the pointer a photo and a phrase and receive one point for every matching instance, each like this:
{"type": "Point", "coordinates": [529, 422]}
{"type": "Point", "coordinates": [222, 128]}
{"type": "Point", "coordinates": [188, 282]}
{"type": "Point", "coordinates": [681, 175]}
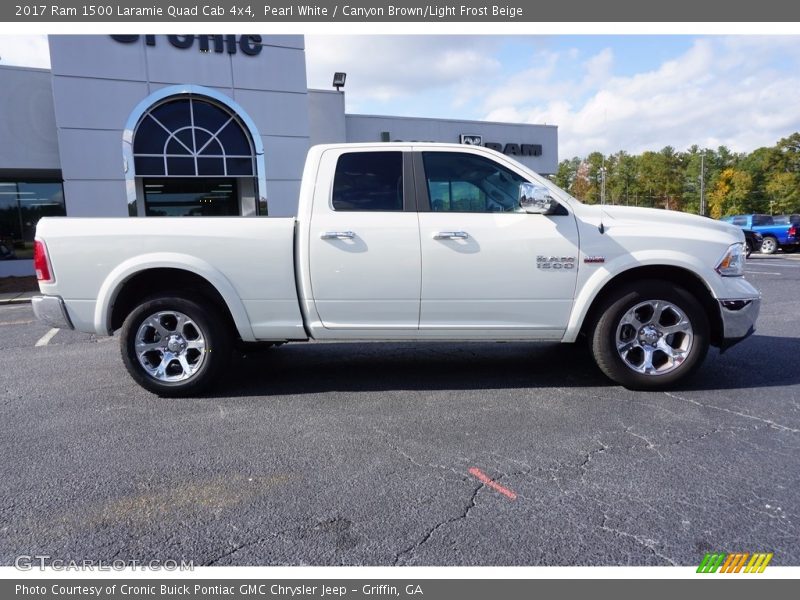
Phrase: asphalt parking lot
{"type": "Point", "coordinates": [406, 454]}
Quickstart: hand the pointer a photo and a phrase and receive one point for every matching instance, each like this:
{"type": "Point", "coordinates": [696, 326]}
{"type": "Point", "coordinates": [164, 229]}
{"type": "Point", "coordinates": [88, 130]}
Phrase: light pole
{"type": "Point", "coordinates": [702, 183]}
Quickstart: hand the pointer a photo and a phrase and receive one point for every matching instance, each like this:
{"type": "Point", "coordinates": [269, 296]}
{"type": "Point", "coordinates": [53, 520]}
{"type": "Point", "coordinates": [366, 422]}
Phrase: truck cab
{"type": "Point", "coordinates": [429, 242]}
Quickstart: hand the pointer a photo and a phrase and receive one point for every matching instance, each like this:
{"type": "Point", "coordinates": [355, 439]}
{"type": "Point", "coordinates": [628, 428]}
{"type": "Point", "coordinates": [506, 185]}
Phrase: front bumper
{"type": "Point", "coordinates": [738, 320]}
{"type": "Point", "coordinates": [51, 310]}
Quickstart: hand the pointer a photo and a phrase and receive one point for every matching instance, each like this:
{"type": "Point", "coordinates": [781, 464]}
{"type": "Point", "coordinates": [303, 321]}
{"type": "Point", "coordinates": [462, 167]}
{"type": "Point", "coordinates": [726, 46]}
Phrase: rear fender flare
{"type": "Point", "coordinates": [168, 260]}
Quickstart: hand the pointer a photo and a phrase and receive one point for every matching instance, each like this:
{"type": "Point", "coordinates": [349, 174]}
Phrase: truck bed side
{"type": "Point", "coordinates": [249, 261]}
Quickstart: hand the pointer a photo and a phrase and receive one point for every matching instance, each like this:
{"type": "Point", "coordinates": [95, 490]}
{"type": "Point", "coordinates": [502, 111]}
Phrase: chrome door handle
{"type": "Point", "coordinates": [451, 235]}
{"type": "Point", "coordinates": [332, 235]}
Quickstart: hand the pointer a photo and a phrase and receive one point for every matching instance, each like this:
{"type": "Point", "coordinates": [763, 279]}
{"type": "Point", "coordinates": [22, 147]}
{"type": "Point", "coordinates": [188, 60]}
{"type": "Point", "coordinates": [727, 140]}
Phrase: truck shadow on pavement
{"type": "Point", "coordinates": [381, 366]}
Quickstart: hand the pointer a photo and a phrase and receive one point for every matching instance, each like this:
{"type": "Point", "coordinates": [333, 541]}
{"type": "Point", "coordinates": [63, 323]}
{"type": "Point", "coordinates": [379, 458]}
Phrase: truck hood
{"type": "Point", "coordinates": [653, 217]}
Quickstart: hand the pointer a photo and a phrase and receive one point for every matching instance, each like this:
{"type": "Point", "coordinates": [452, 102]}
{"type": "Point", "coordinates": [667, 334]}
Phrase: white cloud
{"type": "Point", "coordinates": [25, 51]}
{"type": "Point", "coordinates": [598, 67]}
{"type": "Point", "coordinates": [721, 91]}
{"type": "Point", "coordinates": [383, 68]}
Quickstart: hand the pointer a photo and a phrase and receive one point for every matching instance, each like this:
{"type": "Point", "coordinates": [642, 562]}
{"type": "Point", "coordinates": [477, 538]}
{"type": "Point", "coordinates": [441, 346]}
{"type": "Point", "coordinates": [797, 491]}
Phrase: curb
{"type": "Point", "coordinates": [17, 300]}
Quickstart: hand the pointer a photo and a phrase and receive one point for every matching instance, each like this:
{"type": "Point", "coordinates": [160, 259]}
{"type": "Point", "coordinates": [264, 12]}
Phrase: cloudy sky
{"type": "Point", "coordinates": [604, 92]}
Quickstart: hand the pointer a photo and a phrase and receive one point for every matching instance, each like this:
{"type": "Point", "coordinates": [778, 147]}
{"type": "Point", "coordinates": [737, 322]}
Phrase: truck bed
{"type": "Point", "coordinates": [249, 260]}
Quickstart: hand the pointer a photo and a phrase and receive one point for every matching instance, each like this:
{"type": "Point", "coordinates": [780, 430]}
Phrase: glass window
{"type": "Point", "coordinates": [209, 116]}
{"type": "Point", "coordinates": [460, 182]}
{"type": "Point", "coordinates": [190, 197]}
{"type": "Point", "coordinates": [762, 220]}
{"type": "Point", "coordinates": [150, 137]}
{"type": "Point", "coordinates": [739, 221]}
{"type": "Point", "coordinates": [22, 204]}
{"type": "Point", "coordinates": [233, 139]}
{"type": "Point", "coordinates": [173, 114]}
{"type": "Point", "coordinates": [368, 181]}
{"type": "Point", "coordinates": [182, 129]}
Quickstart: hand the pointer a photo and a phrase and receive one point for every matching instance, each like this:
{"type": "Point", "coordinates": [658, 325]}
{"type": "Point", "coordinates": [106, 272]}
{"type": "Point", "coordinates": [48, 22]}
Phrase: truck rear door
{"type": "Point", "coordinates": [364, 252]}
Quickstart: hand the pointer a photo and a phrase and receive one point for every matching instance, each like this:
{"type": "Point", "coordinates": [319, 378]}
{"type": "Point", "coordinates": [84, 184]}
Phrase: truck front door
{"type": "Point", "coordinates": [486, 264]}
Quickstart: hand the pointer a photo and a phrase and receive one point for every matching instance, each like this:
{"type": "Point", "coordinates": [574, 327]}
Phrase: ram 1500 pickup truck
{"type": "Point", "coordinates": [402, 241]}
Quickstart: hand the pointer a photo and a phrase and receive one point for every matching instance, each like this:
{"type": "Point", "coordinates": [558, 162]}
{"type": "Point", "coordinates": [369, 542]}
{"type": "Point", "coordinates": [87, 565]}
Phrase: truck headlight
{"type": "Point", "coordinates": [732, 264]}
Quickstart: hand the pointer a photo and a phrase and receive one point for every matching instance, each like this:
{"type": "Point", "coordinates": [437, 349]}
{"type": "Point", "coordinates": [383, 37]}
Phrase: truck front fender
{"type": "Point", "coordinates": [623, 264]}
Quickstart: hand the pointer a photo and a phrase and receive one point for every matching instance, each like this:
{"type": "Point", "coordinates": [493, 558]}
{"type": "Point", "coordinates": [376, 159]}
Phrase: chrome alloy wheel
{"type": "Point", "coordinates": [769, 245]}
{"type": "Point", "coordinates": [170, 346]}
{"type": "Point", "coordinates": [654, 337]}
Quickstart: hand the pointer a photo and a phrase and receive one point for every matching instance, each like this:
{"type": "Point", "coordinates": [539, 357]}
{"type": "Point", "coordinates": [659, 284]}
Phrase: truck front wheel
{"type": "Point", "coordinates": [174, 346]}
{"type": "Point", "coordinates": [649, 335]}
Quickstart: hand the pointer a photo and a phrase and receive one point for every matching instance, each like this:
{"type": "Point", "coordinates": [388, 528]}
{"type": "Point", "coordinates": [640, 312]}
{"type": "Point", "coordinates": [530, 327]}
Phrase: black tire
{"type": "Point", "coordinates": [769, 245]}
{"type": "Point", "coordinates": [610, 326]}
{"type": "Point", "coordinates": [749, 248]}
{"type": "Point", "coordinates": [204, 365]}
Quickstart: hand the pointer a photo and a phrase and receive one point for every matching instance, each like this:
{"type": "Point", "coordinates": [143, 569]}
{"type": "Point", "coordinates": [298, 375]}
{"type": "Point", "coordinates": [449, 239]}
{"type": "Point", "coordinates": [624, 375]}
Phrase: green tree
{"type": "Point", "coordinates": [766, 179]}
{"type": "Point", "coordinates": [567, 171]}
{"type": "Point", "coordinates": [731, 193]}
{"type": "Point", "coordinates": [787, 158]}
{"type": "Point", "coordinates": [594, 165]}
{"type": "Point", "coordinates": [759, 164]}
{"type": "Point", "coordinates": [783, 191]}
{"type": "Point", "coordinates": [621, 181]}
{"type": "Point", "coordinates": [650, 177]}
{"type": "Point", "coordinates": [691, 162]}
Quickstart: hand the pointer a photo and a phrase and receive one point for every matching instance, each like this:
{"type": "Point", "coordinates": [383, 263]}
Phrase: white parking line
{"type": "Point", "coordinates": [778, 262]}
{"type": "Point", "coordinates": [45, 339]}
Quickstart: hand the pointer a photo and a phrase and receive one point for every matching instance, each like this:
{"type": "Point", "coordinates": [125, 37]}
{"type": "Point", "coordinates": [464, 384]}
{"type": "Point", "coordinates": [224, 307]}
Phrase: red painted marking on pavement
{"type": "Point", "coordinates": [484, 478]}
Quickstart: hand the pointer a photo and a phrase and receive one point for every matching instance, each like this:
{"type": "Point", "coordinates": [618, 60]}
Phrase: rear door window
{"type": "Point", "coordinates": [368, 181]}
{"type": "Point", "coordinates": [762, 220]}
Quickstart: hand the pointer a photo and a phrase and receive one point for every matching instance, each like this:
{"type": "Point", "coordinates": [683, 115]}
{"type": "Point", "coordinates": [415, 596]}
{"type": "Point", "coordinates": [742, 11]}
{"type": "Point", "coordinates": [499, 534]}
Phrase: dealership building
{"type": "Point", "coordinates": [191, 125]}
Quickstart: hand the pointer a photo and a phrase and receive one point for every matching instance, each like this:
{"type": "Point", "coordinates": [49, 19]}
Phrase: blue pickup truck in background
{"type": "Point", "coordinates": [778, 232]}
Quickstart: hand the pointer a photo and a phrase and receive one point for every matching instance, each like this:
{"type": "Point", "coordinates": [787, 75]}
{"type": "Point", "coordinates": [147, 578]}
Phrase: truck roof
{"type": "Point", "coordinates": [452, 146]}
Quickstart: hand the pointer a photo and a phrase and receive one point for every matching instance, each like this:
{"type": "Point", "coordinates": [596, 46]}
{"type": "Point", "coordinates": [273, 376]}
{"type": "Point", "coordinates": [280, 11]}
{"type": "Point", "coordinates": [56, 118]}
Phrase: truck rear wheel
{"type": "Point", "coordinates": [769, 245]}
{"type": "Point", "coordinates": [649, 335]}
{"type": "Point", "coordinates": [174, 346]}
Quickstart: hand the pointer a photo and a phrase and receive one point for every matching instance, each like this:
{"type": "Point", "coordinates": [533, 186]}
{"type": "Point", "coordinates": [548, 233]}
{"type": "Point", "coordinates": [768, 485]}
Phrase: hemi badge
{"type": "Point", "coordinates": [594, 259]}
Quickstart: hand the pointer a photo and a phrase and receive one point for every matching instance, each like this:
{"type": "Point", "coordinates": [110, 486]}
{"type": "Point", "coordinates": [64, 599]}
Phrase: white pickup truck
{"type": "Point", "coordinates": [402, 241]}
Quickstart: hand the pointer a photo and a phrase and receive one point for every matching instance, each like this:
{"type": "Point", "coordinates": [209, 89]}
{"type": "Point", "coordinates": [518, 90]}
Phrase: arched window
{"type": "Point", "coordinates": [191, 137]}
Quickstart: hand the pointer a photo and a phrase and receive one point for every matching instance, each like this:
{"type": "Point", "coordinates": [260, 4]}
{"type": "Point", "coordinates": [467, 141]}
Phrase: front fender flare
{"type": "Point", "coordinates": [597, 281]}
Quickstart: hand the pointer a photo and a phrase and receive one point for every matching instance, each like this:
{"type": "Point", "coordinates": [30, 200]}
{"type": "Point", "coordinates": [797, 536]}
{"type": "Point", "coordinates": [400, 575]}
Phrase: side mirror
{"type": "Point", "coordinates": [536, 199]}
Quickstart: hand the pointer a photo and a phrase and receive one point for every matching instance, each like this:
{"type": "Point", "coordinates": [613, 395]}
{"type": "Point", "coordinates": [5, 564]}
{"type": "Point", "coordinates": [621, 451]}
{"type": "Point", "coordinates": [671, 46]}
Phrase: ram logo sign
{"type": "Point", "coordinates": [735, 562]}
{"type": "Point", "coordinates": [511, 149]}
{"type": "Point", "coordinates": [471, 140]}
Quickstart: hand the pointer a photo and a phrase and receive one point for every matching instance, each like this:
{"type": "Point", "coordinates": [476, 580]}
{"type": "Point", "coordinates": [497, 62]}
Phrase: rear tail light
{"type": "Point", "coordinates": [41, 262]}
{"type": "Point", "coordinates": [793, 231]}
